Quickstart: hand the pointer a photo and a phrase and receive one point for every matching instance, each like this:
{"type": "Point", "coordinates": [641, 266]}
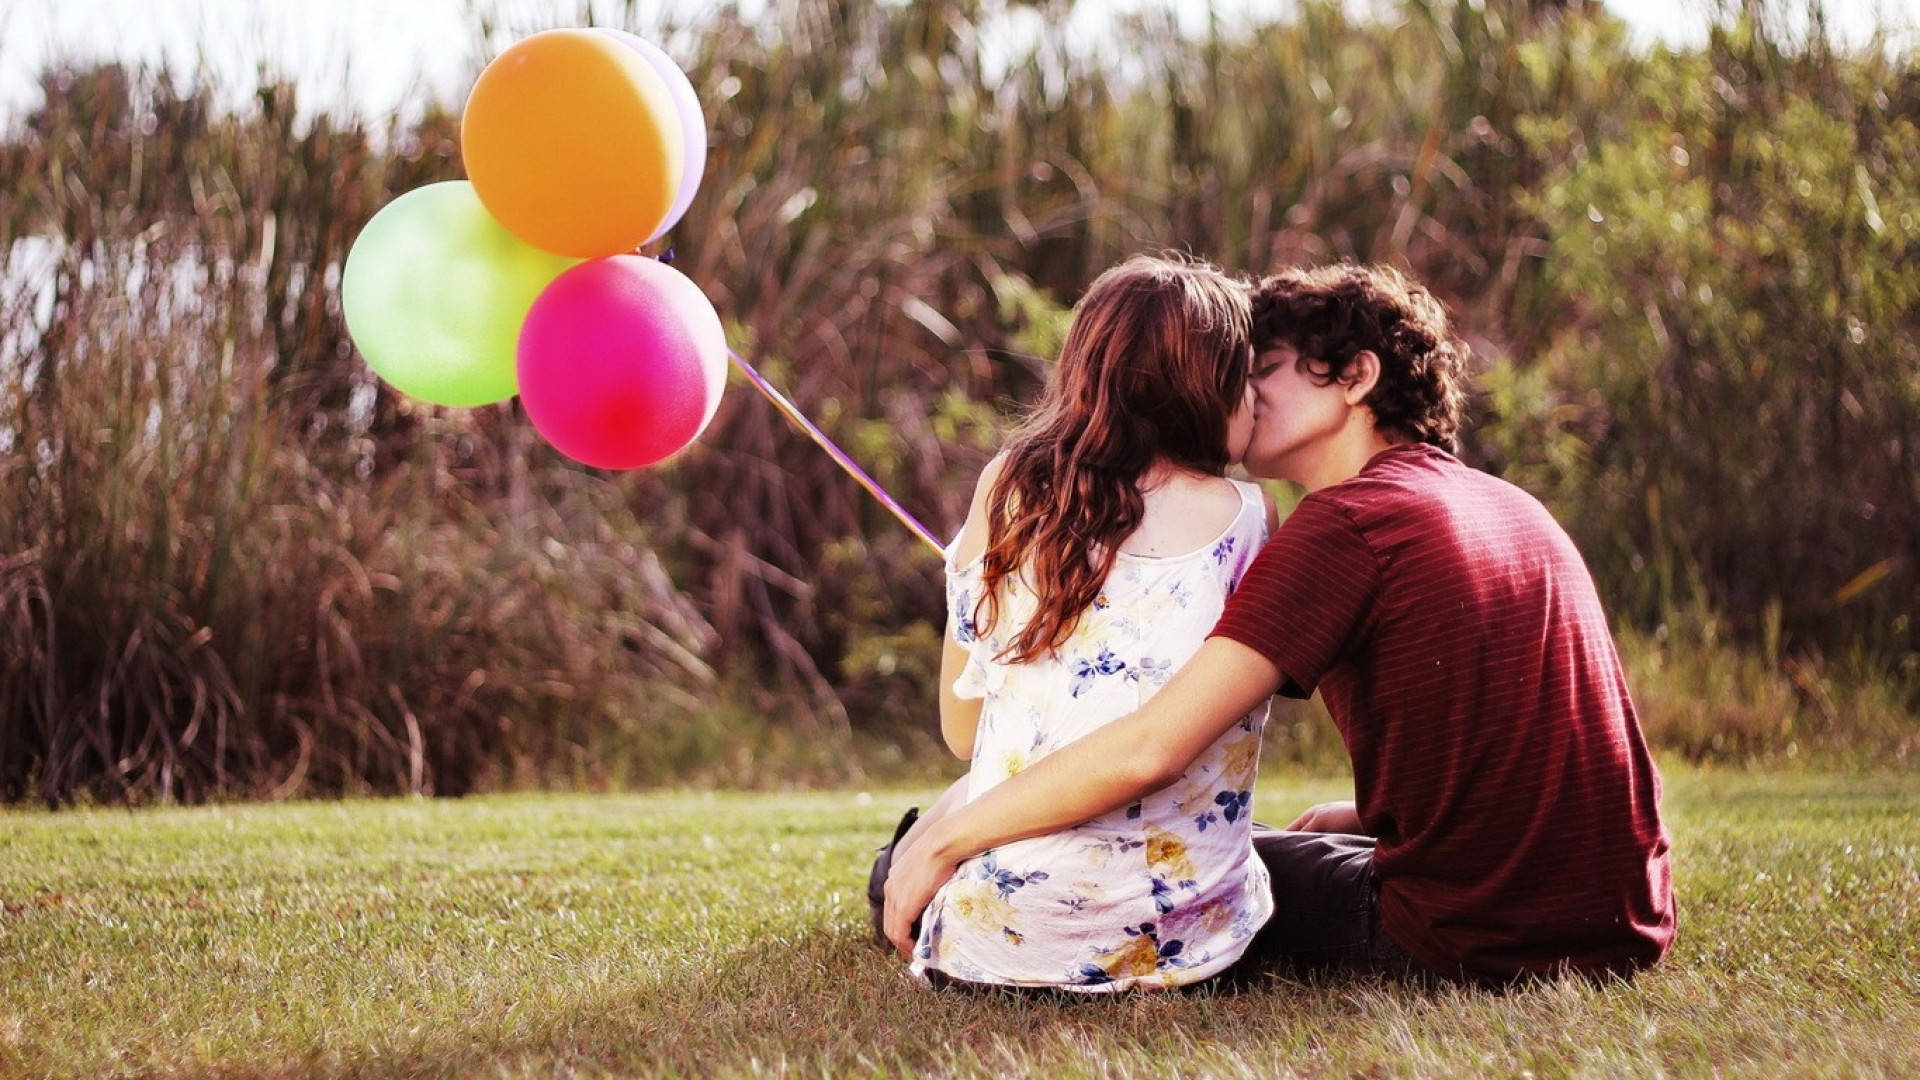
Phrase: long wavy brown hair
{"type": "Point", "coordinates": [1152, 370]}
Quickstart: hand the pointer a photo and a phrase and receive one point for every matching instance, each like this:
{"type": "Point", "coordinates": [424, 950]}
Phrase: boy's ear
{"type": "Point", "coordinates": [1362, 376]}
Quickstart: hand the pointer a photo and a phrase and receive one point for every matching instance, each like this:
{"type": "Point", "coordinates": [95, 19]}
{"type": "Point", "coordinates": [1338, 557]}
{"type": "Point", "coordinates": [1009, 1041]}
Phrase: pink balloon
{"type": "Point", "coordinates": [693, 123]}
{"type": "Point", "coordinates": [621, 362]}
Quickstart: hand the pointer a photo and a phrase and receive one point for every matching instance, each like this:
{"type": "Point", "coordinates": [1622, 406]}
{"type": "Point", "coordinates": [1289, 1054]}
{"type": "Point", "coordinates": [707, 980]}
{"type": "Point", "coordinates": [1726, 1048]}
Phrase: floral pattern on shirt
{"type": "Point", "coordinates": [1163, 892]}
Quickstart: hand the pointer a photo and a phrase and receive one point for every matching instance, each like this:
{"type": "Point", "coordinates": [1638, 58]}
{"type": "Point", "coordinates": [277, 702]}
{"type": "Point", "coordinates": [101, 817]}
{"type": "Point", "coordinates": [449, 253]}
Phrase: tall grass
{"type": "Point", "coordinates": [233, 563]}
{"type": "Point", "coordinates": [231, 567]}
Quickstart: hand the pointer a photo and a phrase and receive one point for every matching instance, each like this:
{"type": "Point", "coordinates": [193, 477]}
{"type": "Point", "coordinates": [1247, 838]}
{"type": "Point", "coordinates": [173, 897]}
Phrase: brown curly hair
{"type": "Point", "coordinates": [1152, 369]}
{"type": "Point", "coordinates": [1330, 314]}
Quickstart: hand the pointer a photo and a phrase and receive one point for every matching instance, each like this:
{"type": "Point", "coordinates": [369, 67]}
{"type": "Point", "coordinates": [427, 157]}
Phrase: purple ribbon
{"type": "Point", "coordinates": [838, 455]}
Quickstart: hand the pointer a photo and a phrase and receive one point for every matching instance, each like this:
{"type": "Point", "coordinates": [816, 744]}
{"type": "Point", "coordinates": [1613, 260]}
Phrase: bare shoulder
{"type": "Point", "coordinates": [988, 474]}
{"type": "Point", "coordinates": [972, 541]}
{"type": "Point", "coordinates": [1184, 514]}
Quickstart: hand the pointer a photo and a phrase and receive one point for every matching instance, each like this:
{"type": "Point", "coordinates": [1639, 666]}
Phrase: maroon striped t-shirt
{"type": "Point", "coordinates": [1455, 635]}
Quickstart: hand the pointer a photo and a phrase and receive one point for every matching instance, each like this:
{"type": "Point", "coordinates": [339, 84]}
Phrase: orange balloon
{"type": "Point", "coordinates": [573, 142]}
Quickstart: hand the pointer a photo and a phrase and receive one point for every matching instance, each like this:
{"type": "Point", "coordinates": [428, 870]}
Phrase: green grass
{"type": "Point", "coordinates": [726, 933]}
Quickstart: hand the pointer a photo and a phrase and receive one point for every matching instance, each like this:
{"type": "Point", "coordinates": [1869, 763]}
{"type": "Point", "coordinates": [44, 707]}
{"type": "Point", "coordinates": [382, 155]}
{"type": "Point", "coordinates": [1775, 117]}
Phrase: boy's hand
{"type": "Point", "coordinates": [917, 873]}
{"type": "Point", "coordinates": [1330, 817]}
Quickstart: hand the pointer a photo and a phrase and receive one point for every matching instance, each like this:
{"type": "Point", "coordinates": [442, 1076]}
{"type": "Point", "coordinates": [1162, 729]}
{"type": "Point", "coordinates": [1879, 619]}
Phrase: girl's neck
{"type": "Point", "coordinates": [1163, 472]}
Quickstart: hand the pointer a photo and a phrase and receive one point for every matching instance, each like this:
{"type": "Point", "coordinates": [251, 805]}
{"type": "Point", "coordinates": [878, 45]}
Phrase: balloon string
{"type": "Point", "coordinates": [838, 455]}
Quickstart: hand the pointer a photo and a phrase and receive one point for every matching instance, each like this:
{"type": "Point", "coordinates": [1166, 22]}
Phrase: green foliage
{"type": "Point", "coordinates": [232, 563]}
{"type": "Point", "coordinates": [721, 935]}
{"type": "Point", "coordinates": [1732, 423]}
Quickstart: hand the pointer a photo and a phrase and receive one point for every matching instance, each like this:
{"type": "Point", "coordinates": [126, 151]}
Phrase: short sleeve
{"type": "Point", "coordinates": [1307, 597]}
{"type": "Point", "coordinates": [963, 589]}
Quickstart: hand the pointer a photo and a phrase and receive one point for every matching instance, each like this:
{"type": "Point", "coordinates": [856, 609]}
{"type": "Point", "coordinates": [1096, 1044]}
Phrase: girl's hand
{"type": "Point", "coordinates": [917, 873]}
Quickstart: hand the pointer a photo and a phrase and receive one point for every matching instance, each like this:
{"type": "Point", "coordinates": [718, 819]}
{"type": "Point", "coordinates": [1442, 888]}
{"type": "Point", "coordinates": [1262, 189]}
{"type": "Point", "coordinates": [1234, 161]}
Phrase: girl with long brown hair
{"type": "Point", "coordinates": [1100, 547]}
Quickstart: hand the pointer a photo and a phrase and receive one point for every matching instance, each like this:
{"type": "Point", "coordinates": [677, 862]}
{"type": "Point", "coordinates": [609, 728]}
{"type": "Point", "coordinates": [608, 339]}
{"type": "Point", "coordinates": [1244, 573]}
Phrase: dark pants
{"type": "Point", "coordinates": [1326, 910]}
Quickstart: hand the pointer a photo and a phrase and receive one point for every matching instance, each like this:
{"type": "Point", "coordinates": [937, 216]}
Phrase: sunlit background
{"type": "Point", "coordinates": [378, 55]}
{"type": "Point", "coordinates": [233, 562]}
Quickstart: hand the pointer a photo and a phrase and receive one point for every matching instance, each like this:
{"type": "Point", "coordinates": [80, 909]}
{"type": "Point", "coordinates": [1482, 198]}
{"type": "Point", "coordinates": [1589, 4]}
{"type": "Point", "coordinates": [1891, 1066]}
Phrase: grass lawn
{"type": "Point", "coordinates": [704, 933]}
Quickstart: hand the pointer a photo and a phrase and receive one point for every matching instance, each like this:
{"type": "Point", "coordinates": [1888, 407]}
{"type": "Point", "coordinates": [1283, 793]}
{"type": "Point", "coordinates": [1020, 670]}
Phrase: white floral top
{"type": "Point", "coordinates": [1158, 894]}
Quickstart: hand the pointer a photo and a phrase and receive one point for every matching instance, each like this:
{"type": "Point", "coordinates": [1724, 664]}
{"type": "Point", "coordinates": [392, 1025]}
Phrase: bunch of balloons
{"type": "Point", "coordinates": [581, 146]}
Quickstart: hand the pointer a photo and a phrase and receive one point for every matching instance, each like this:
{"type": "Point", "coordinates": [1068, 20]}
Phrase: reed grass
{"type": "Point", "coordinates": [232, 563]}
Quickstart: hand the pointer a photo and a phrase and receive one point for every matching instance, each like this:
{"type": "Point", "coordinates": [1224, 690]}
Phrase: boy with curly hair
{"type": "Point", "coordinates": [1505, 820]}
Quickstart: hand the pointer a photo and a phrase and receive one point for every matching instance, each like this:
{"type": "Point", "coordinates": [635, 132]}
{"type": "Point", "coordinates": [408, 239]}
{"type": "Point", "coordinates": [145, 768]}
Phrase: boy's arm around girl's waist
{"type": "Point", "coordinates": [1108, 768]}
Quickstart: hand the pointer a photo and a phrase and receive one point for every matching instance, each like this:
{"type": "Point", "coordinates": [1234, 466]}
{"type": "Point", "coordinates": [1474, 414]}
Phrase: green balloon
{"type": "Point", "coordinates": [435, 291]}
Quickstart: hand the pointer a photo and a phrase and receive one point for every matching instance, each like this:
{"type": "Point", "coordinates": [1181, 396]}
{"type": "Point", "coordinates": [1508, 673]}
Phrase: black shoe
{"type": "Point", "coordinates": [877, 878]}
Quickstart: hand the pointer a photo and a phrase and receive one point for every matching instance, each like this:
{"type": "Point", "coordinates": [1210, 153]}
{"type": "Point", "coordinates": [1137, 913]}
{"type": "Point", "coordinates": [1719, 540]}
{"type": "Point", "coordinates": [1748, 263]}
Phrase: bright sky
{"type": "Point", "coordinates": [381, 54]}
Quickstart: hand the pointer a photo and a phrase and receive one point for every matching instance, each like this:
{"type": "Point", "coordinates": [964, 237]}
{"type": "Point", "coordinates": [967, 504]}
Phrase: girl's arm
{"type": "Point", "coordinates": [960, 718]}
